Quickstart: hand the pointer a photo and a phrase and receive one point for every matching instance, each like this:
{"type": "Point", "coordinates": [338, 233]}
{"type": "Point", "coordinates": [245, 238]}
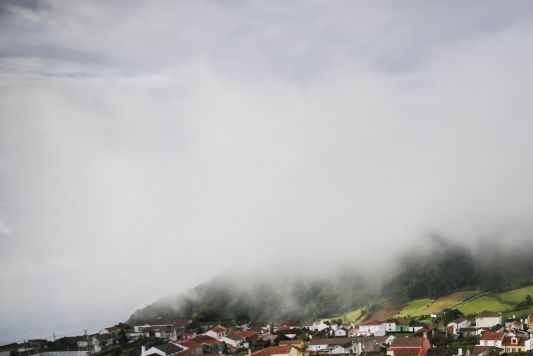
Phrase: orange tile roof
{"type": "Point", "coordinates": [274, 350]}
{"type": "Point", "coordinates": [490, 335]}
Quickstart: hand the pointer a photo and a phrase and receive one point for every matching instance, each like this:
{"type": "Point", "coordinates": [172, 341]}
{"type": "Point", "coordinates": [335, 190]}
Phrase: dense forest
{"type": "Point", "coordinates": [231, 297]}
{"type": "Point", "coordinates": [440, 269]}
{"type": "Point", "coordinates": [447, 268]}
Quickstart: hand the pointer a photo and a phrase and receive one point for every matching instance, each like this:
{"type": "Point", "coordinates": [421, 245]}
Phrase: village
{"type": "Point", "coordinates": [485, 334]}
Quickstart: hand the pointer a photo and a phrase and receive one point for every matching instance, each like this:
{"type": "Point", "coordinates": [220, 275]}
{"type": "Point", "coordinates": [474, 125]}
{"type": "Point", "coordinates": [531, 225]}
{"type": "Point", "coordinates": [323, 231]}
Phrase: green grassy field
{"type": "Point", "coordinates": [449, 301]}
{"type": "Point", "coordinates": [502, 302]}
{"type": "Point", "coordinates": [353, 316]}
{"type": "Point", "coordinates": [518, 313]}
{"type": "Point", "coordinates": [485, 303]}
{"type": "Point", "coordinates": [415, 307]}
{"type": "Point", "coordinates": [515, 296]}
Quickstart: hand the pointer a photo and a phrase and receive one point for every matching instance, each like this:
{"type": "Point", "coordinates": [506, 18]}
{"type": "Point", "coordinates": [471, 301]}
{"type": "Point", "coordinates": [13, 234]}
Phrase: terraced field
{"type": "Point", "coordinates": [387, 310]}
{"type": "Point", "coordinates": [515, 296]}
{"type": "Point", "coordinates": [484, 303]}
{"type": "Point", "coordinates": [449, 301]}
{"type": "Point", "coordinates": [468, 302]}
{"type": "Point", "coordinates": [353, 316]}
{"type": "Point", "coordinates": [415, 307]}
{"type": "Point", "coordinates": [428, 306]}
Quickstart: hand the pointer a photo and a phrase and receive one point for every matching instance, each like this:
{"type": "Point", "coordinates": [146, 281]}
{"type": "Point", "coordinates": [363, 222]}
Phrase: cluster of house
{"type": "Point", "coordinates": [371, 337]}
{"type": "Point", "coordinates": [369, 328]}
{"type": "Point", "coordinates": [216, 340]}
{"type": "Point", "coordinates": [494, 337]}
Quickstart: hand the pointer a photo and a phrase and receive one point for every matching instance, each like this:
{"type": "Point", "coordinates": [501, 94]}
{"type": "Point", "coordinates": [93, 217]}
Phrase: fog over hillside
{"type": "Point", "coordinates": [285, 294]}
{"type": "Point", "coordinates": [146, 147]}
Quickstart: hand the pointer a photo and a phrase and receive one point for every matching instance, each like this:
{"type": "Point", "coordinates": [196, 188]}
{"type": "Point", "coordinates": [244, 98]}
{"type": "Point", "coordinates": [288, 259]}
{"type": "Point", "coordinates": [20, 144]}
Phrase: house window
{"type": "Point", "coordinates": [486, 343]}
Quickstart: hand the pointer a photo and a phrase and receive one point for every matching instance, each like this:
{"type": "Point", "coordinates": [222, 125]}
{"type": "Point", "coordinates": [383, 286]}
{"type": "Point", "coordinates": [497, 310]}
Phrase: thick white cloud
{"type": "Point", "coordinates": [144, 148]}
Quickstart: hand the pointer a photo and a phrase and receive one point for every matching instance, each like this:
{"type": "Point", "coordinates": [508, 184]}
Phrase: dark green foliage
{"type": "Point", "coordinates": [290, 298]}
{"type": "Point", "coordinates": [447, 268]}
{"type": "Point", "coordinates": [440, 272]}
{"type": "Point", "coordinates": [435, 269]}
{"type": "Point", "coordinates": [450, 315]}
{"type": "Point", "coordinates": [527, 302]}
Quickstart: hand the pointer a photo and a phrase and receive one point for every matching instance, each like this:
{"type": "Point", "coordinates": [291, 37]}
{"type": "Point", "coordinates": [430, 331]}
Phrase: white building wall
{"type": "Point", "coordinates": [340, 332]}
{"type": "Point", "coordinates": [488, 322]}
{"type": "Point", "coordinates": [377, 330]}
{"type": "Point", "coordinates": [494, 343]}
{"type": "Point", "coordinates": [529, 344]}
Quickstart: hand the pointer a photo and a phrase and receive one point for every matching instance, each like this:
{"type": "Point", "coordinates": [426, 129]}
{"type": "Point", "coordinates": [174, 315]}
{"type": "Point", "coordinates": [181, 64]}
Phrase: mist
{"type": "Point", "coordinates": [146, 148]}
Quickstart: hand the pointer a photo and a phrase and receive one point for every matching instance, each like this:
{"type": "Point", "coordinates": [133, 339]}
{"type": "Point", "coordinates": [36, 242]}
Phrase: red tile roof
{"type": "Point", "coordinates": [204, 339]}
{"type": "Point", "coordinates": [372, 322]}
{"type": "Point", "coordinates": [245, 333]}
{"type": "Point", "coordinates": [489, 335]}
{"type": "Point", "coordinates": [406, 352]}
{"type": "Point", "coordinates": [274, 350]}
{"type": "Point", "coordinates": [412, 341]}
{"type": "Point", "coordinates": [190, 344]}
{"type": "Point", "coordinates": [521, 340]}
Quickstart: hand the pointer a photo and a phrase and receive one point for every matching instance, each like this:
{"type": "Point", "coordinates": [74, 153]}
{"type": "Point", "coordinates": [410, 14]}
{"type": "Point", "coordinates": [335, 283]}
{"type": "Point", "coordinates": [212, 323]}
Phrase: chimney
{"type": "Point", "coordinates": [425, 335]}
{"type": "Point", "coordinates": [143, 350]}
{"type": "Point", "coordinates": [460, 351]}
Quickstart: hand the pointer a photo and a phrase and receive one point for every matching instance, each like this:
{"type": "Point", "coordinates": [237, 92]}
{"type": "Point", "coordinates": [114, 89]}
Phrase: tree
{"type": "Point", "coordinates": [528, 300]}
{"type": "Point", "coordinates": [450, 315]}
{"type": "Point", "coordinates": [122, 337]}
{"type": "Point", "coordinates": [102, 343]}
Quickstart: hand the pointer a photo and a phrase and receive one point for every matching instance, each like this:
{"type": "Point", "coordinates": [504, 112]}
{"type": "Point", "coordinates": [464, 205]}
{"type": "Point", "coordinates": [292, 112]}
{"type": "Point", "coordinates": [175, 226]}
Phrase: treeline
{"type": "Point", "coordinates": [437, 270]}
{"type": "Point", "coordinates": [446, 268]}
{"type": "Point", "coordinates": [283, 298]}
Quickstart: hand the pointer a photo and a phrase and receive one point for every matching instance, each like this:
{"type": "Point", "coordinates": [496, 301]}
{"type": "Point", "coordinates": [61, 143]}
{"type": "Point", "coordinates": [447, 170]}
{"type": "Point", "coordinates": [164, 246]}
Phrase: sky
{"type": "Point", "coordinates": [146, 146]}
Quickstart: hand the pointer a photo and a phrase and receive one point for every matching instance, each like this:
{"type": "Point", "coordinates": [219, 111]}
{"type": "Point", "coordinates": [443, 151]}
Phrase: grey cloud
{"type": "Point", "coordinates": [144, 149]}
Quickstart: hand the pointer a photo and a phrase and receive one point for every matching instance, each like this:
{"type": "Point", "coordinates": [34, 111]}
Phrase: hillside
{"type": "Point", "coordinates": [232, 296]}
{"type": "Point", "coordinates": [468, 302]}
{"type": "Point", "coordinates": [439, 277]}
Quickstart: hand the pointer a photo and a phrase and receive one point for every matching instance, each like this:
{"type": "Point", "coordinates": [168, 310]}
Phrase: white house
{"type": "Point", "coordinates": [218, 333]}
{"type": "Point", "coordinates": [332, 345]}
{"type": "Point", "coordinates": [139, 328]}
{"type": "Point", "coordinates": [340, 332]}
{"type": "Point", "coordinates": [390, 326]}
{"type": "Point", "coordinates": [113, 330]}
{"type": "Point", "coordinates": [373, 327]}
{"type": "Point", "coordinates": [371, 344]}
{"type": "Point", "coordinates": [234, 341]}
{"type": "Point", "coordinates": [490, 338]}
{"type": "Point", "coordinates": [167, 349]}
{"type": "Point", "coordinates": [458, 324]}
{"type": "Point", "coordinates": [319, 326]}
{"type": "Point", "coordinates": [337, 350]}
{"type": "Point", "coordinates": [529, 344]}
{"type": "Point", "coordinates": [488, 319]}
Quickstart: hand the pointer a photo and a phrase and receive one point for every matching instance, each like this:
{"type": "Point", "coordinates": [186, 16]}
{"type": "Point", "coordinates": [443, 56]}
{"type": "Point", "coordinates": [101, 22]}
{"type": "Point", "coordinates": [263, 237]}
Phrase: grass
{"type": "Point", "coordinates": [485, 303]}
{"type": "Point", "coordinates": [449, 301]}
{"type": "Point", "coordinates": [387, 310]}
{"type": "Point", "coordinates": [353, 316]}
{"type": "Point", "coordinates": [502, 302]}
{"type": "Point", "coordinates": [415, 307]}
{"type": "Point", "coordinates": [518, 313]}
{"type": "Point", "coordinates": [515, 296]}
